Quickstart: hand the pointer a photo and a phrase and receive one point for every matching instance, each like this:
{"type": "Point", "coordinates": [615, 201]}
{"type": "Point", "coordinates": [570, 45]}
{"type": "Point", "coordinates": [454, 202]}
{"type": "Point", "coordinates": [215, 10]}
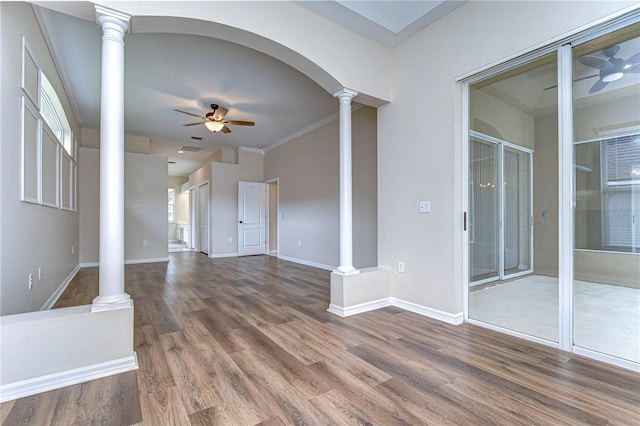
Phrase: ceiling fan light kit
{"type": "Point", "coordinates": [214, 126]}
{"type": "Point", "coordinates": [214, 121]}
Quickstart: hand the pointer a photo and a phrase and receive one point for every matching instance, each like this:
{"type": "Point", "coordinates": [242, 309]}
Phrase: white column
{"type": "Point", "coordinates": [346, 211]}
{"type": "Point", "coordinates": [111, 275]}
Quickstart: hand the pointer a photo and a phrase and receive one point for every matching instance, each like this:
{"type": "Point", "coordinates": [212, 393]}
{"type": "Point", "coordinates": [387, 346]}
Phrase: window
{"type": "Point", "coordinates": [607, 181]}
{"type": "Point", "coordinates": [620, 193]}
{"type": "Point", "coordinates": [172, 203]}
{"type": "Point", "coordinates": [54, 115]}
{"type": "Point", "coordinates": [49, 168]}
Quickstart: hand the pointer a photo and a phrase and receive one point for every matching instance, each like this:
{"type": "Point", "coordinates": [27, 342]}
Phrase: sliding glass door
{"type": "Point", "coordinates": [500, 222]}
{"type": "Point", "coordinates": [553, 196]}
{"type": "Point", "coordinates": [513, 185]}
{"type": "Point", "coordinates": [606, 257]}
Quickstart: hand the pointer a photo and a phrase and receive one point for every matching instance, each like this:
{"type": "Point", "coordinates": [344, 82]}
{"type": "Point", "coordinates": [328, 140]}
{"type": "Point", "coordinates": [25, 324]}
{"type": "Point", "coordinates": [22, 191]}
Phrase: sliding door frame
{"type": "Point", "coordinates": [562, 47]}
{"type": "Point", "coordinates": [501, 145]}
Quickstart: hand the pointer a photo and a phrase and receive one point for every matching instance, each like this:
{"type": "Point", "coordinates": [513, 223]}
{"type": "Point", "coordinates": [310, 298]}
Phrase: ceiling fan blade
{"type": "Point", "coordinates": [586, 77]}
{"type": "Point", "coordinates": [193, 124]}
{"type": "Point", "coordinates": [220, 113]}
{"type": "Point", "coordinates": [190, 113]}
{"type": "Point", "coordinates": [239, 122]}
{"type": "Point", "coordinates": [225, 129]}
{"type": "Point", "coordinates": [611, 51]}
{"type": "Point", "coordinates": [594, 62]}
{"type": "Point", "coordinates": [633, 60]}
{"type": "Point", "coordinates": [634, 69]}
{"type": "Point", "coordinates": [598, 86]}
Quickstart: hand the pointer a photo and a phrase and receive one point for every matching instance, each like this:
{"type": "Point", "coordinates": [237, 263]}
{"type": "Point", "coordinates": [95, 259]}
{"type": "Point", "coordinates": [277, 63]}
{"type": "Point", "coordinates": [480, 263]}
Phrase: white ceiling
{"type": "Point", "coordinates": [164, 72]}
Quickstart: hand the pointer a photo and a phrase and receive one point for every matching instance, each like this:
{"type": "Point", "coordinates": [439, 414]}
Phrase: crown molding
{"type": "Point", "coordinates": [326, 120]}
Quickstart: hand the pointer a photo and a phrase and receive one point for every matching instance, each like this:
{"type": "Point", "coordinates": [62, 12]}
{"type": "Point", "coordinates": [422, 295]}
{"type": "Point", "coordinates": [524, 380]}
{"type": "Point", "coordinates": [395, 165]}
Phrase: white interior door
{"type": "Point", "coordinates": [203, 220]}
{"type": "Point", "coordinates": [251, 218]}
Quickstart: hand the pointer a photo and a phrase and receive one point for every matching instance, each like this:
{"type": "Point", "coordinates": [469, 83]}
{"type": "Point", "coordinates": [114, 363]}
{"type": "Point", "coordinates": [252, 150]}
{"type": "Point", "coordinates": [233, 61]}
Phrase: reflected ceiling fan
{"type": "Point", "coordinates": [215, 121]}
{"type": "Point", "coordinates": [611, 69]}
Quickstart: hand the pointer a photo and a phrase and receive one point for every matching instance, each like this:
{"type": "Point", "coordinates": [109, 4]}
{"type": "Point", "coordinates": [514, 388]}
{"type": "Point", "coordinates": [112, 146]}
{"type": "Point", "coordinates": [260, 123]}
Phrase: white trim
{"type": "Point", "coordinates": [61, 288]}
{"type": "Point", "coordinates": [26, 50]}
{"type": "Point", "coordinates": [62, 379]}
{"type": "Point", "coordinates": [599, 356]}
{"type": "Point", "coordinates": [307, 263]}
{"type": "Point", "coordinates": [566, 171]}
{"type": "Point", "coordinates": [273, 253]}
{"type": "Point", "coordinates": [360, 308]}
{"type": "Point", "coordinates": [436, 314]}
{"type": "Point", "coordinates": [221, 255]}
{"type": "Point", "coordinates": [128, 262]}
{"type": "Point", "coordinates": [27, 107]}
{"type": "Point", "coordinates": [326, 120]}
{"type": "Point", "coordinates": [150, 260]}
{"type": "Point", "coordinates": [455, 319]}
{"type": "Point", "coordinates": [249, 149]}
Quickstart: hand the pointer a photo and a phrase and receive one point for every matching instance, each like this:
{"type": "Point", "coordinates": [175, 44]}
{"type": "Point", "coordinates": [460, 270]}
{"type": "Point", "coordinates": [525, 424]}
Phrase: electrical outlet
{"type": "Point", "coordinates": [39, 272]}
{"type": "Point", "coordinates": [400, 266]}
{"type": "Point", "coordinates": [230, 239]}
{"type": "Point", "coordinates": [73, 250]}
{"type": "Point", "coordinates": [299, 243]}
{"type": "Point", "coordinates": [145, 243]}
{"type": "Point", "coordinates": [30, 281]}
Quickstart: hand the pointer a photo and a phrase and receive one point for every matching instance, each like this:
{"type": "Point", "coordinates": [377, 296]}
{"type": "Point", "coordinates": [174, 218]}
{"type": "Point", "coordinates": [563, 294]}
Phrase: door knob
{"type": "Point", "coordinates": [240, 221]}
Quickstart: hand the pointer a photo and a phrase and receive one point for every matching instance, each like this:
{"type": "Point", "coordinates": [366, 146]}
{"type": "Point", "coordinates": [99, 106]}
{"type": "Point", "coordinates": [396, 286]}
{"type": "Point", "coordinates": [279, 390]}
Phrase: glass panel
{"type": "Point", "coordinates": [517, 211]}
{"type": "Point", "coordinates": [606, 103]}
{"type": "Point", "coordinates": [516, 111]}
{"type": "Point", "coordinates": [483, 211]}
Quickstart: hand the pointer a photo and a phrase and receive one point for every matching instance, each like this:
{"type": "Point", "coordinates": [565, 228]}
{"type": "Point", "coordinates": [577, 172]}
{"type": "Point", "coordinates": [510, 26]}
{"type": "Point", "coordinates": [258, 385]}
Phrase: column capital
{"type": "Point", "coordinates": [106, 16]}
{"type": "Point", "coordinates": [345, 93]}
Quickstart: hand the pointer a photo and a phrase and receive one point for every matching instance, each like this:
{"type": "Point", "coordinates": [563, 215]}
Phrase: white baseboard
{"type": "Point", "coordinates": [454, 319]}
{"type": "Point", "coordinates": [128, 262]}
{"type": "Point", "coordinates": [447, 317]}
{"type": "Point", "coordinates": [221, 255]}
{"type": "Point", "coordinates": [307, 263]}
{"type": "Point", "coordinates": [49, 382]}
{"type": "Point", "coordinates": [61, 288]}
{"type": "Point", "coordinates": [360, 308]}
{"type": "Point", "coordinates": [150, 260]}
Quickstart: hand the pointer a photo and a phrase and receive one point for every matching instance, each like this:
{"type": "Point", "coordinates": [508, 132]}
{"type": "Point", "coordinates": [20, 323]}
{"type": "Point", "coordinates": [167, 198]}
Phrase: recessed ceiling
{"type": "Point", "coordinates": [388, 22]}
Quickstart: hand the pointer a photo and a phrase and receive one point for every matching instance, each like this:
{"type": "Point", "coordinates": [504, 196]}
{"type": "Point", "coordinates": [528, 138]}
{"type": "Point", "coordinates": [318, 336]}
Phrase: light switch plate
{"type": "Point", "coordinates": [425, 206]}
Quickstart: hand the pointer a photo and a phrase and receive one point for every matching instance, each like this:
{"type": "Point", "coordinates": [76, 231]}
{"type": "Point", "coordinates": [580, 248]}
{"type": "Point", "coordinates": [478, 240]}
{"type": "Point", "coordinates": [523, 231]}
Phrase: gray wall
{"type": "Point", "coordinates": [309, 173]}
{"type": "Point", "coordinates": [33, 236]}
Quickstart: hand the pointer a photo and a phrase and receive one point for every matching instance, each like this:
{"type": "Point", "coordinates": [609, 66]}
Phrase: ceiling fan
{"type": "Point", "coordinates": [215, 121]}
{"type": "Point", "coordinates": [611, 69]}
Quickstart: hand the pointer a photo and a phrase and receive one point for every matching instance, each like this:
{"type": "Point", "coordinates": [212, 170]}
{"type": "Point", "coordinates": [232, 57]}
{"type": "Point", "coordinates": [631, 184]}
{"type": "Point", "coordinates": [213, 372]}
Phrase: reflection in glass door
{"type": "Point", "coordinates": [606, 255]}
{"type": "Point", "coordinates": [517, 215]}
{"type": "Point", "coordinates": [513, 185]}
{"type": "Point", "coordinates": [484, 215]}
{"type": "Point", "coordinates": [500, 222]}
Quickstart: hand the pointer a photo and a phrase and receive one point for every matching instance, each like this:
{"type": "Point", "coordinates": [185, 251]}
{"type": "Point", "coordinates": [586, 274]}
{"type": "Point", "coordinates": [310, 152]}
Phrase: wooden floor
{"type": "Point", "coordinates": [248, 341]}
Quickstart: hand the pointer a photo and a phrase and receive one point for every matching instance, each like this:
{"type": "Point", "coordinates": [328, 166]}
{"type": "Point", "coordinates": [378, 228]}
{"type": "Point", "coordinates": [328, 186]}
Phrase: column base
{"type": "Point", "coordinates": [346, 270]}
{"type": "Point", "coordinates": [107, 303]}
